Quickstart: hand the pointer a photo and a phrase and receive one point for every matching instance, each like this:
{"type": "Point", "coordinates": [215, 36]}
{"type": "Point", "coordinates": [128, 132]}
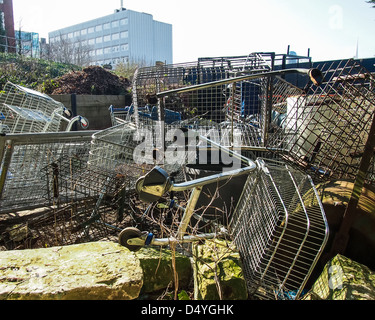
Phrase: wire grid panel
{"type": "Point", "coordinates": [24, 162]}
{"type": "Point", "coordinates": [131, 151]}
{"type": "Point", "coordinates": [208, 104]}
{"type": "Point", "coordinates": [76, 222]}
{"type": "Point", "coordinates": [325, 131]}
{"type": "Point", "coordinates": [23, 110]}
{"type": "Point", "coordinates": [280, 229]}
{"type": "Point", "coordinates": [246, 106]}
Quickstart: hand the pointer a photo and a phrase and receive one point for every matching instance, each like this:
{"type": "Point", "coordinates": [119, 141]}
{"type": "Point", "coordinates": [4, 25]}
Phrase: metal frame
{"type": "Point", "coordinates": [23, 162]}
{"type": "Point", "coordinates": [279, 225]}
{"type": "Point", "coordinates": [255, 128]}
{"type": "Point", "coordinates": [325, 132]}
{"type": "Point", "coordinates": [23, 110]}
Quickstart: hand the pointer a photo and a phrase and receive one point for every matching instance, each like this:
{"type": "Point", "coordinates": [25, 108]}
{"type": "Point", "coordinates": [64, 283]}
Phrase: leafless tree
{"type": "Point", "coordinates": [68, 51]}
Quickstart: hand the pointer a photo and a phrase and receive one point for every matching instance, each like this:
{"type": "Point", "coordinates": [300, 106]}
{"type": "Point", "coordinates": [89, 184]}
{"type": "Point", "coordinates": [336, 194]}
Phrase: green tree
{"type": "Point", "coordinates": [372, 2]}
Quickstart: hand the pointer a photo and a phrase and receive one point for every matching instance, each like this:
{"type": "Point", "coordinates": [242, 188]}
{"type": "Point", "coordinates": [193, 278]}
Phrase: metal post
{"type": "Point", "coordinates": [73, 101]}
{"type": "Point", "coordinates": [189, 211]}
{"type": "Point", "coordinates": [6, 164]}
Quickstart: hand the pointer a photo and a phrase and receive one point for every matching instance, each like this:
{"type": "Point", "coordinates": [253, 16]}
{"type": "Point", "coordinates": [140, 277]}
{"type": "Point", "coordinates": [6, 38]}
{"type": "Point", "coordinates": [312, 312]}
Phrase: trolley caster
{"type": "Point", "coordinates": [137, 238]}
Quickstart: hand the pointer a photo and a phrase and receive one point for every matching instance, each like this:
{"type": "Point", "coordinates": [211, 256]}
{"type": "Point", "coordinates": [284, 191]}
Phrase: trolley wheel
{"type": "Point", "coordinates": [129, 233]}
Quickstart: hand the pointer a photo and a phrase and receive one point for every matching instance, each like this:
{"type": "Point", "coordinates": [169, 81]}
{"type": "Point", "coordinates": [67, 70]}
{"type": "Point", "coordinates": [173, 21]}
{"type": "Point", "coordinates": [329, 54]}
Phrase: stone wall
{"type": "Point", "coordinates": [93, 107]}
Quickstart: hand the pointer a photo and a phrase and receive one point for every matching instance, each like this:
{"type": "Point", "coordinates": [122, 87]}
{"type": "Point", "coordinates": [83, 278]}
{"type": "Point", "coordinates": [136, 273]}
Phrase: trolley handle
{"type": "Point", "coordinates": [314, 74]}
{"type": "Point", "coordinates": [157, 182]}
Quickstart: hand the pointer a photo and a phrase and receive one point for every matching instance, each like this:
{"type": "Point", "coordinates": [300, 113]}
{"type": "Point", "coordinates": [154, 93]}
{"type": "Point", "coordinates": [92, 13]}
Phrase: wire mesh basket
{"type": "Point", "coordinates": [131, 151]}
{"type": "Point", "coordinates": [280, 230]}
{"type": "Point", "coordinates": [253, 106]}
{"type": "Point", "coordinates": [325, 132]}
{"type": "Point", "coordinates": [278, 225]}
{"type": "Point", "coordinates": [79, 221]}
{"type": "Point", "coordinates": [23, 110]}
{"type": "Point", "coordinates": [23, 162]}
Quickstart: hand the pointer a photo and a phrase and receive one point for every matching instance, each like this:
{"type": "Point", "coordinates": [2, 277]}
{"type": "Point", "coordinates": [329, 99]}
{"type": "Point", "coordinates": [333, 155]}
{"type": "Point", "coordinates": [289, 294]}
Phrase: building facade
{"type": "Point", "coordinates": [124, 36]}
{"type": "Point", "coordinates": [7, 37]}
{"type": "Point", "coordinates": [28, 43]}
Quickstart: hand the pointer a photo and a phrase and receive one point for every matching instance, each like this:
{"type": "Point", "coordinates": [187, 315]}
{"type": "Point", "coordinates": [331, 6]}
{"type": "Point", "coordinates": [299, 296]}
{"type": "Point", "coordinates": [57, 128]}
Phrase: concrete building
{"type": "Point", "coordinates": [124, 36]}
{"type": "Point", "coordinates": [7, 41]}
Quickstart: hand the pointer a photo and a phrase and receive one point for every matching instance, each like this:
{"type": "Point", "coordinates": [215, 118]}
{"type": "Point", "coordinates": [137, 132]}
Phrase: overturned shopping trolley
{"type": "Point", "coordinates": [23, 110]}
{"type": "Point", "coordinates": [279, 225]}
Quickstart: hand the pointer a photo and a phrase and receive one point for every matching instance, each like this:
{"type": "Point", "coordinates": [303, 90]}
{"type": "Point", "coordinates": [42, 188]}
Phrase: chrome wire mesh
{"type": "Point", "coordinates": [79, 221]}
{"type": "Point", "coordinates": [280, 230]}
{"type": "Point", "coordinates": [325, 132]}
{"type": "Point", "coordinates": [23, 110]}
{"type": "Point", "coordinates": [23, 182]}
{"type": "Point", "coordinates": [253, 107]}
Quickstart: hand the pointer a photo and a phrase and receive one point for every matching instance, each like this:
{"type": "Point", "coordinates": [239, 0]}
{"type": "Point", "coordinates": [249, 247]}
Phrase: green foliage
{"type": "Point", "coordinates": [32, 73]}
{"type": "Point", "coordinates": [126, 70]}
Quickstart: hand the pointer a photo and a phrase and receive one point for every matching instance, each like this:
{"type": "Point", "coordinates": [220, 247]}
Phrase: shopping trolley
{"type": "Point", "coordinates": [79, 221]}
{"type": "Point", "coordinates": [278, 226]}
{"type": "Point", "coordinates": [24, 162]}
{"type": "Point", "coordinates": [251, 96]}
{"type": "Point", "coordinates": [325, 132]}
{"type": "Point", "coordinates": [23, 110]}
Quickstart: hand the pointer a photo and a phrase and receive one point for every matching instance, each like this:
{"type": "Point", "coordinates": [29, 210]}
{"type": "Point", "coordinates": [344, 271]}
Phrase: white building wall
{"type": "Point", "coordinates": [123, 36]}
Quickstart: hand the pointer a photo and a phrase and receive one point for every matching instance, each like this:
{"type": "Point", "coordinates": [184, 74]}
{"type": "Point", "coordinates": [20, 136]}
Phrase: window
{"type": "Point", "coordinates": [115, 36]}
{"type": "Point", "coordinates": [125, 47]}
{"type": "Point", "coordinates": [124, 22]}
{"type": "Point", "coordinates": [83, 32]}
{"type": "Point", "coordinates": [107, 38]}
{"type": "Point", "coordinates": [91, 30]}
{"type": "Point", "coordinates": [124, 34]}
{"type": "Point", "coordinates": [115, 24]}
{"type": "Point", "coordinates": [116, 49]}
{"type": "Point", "coordinates": [106, 26]}
{"type": "Point", "coordinates": [77, 33]}
{"type": "Point", "coordinates": [107, 50]}
{"type": "Point", "coordinates": [99, 40]}
{"type": "Point", "coordinates": [91, 41]}
{"type": "Point", "coordinates": [99, 28]}
{"type": "Point", "coordinates": [99, 52]}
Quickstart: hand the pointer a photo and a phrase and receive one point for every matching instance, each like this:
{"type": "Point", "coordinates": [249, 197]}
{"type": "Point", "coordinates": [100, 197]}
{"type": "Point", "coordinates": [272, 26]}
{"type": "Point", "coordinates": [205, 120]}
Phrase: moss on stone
{"type": "Point", "coordinates": [158, 270]}
{"type": "Point", "coordinates": [218, 272]}
{"type": "Point", "coordinates": [343, 279]}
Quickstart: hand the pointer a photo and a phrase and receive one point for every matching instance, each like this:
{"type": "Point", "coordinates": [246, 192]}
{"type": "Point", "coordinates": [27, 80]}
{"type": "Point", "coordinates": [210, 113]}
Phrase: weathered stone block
{"type": "Point", "coordinates": [158, 271]}
{"type": "Point", "coordinates": [343, 279]}
{"type": "Point", "coordinates": [218, 272]}
{"type": "Point", "coordinates": [99, 270]}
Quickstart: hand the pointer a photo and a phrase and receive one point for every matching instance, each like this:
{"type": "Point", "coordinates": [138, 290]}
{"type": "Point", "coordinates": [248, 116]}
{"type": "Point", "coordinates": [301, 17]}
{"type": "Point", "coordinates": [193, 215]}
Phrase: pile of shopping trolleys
{"type": "Point", "coordinates": [223, 147]}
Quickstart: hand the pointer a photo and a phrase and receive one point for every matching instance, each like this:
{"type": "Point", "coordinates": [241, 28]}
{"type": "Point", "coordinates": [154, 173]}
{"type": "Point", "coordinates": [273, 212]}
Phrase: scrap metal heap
{"type": "Point", "coordinates": [288, 125]}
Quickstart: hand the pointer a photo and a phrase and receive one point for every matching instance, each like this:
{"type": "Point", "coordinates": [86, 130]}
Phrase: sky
{"type": "Point", "coordinates": [330, 29]}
